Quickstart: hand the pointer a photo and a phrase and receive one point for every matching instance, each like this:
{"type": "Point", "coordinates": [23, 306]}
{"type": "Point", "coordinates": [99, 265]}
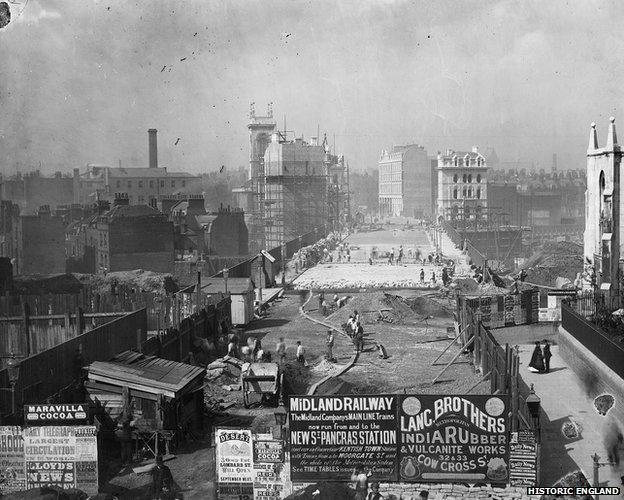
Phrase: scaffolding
{"type": "Point", "coordinates": [294, 205]}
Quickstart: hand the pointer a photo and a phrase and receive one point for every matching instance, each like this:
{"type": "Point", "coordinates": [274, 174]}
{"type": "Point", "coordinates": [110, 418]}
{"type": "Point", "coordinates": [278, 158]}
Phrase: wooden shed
{"type": "Point", "coordinates": [241, 292]}
{"type": "Point", "coordinates": [263, 269]}
{"type": "Point", "coordinates": [162, 394]}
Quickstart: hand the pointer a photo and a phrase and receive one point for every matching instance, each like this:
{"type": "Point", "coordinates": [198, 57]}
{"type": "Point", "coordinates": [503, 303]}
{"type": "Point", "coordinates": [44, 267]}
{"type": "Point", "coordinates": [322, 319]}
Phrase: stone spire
{"type": "Point", "coordinates": [593, 138]}
{"type": "Point", "coordinates": [611, 136]}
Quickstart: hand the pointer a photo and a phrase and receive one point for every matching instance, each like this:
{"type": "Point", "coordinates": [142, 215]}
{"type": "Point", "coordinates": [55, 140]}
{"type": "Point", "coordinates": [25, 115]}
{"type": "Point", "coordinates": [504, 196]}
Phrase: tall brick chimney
{"type": "Point", "coordinates": [153, 148]}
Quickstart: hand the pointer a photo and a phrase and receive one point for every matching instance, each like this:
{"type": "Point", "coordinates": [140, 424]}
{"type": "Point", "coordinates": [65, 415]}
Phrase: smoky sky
{"type": "Point", "coordinates": [81, 81]}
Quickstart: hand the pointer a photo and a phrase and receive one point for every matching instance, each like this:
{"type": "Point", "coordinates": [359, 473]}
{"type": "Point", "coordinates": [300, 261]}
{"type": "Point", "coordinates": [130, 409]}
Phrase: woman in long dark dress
{"type": "Point", "coordinates": [537, 360]}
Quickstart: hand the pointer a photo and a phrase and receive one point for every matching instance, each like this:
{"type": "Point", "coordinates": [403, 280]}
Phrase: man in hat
{"type": "Point", "coordinates": [546, 354]}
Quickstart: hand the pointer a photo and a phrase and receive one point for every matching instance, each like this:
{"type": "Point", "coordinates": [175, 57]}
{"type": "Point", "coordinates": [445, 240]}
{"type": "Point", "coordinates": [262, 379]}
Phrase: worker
{"type": "Point", "coordinates": [300, 353]}
{"type": "Point", "coordinates": [433, 278]}
{"type": "Point", "coordinates": [400, 257]}
{"type": "Point", "coordinates": [383, 354]}
{"type": "Point", "coordinates": [124, 436]}
{"type": "Point", "coordinates": [330, 345]}
{"type": "Point", "coordinates": [280, 350]}
{"type": "Point", "coordinates": [422, 275]}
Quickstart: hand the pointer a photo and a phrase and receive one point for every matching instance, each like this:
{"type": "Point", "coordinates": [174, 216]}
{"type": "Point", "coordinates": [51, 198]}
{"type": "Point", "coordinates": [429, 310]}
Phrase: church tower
{"type": "Point", "coordinates": [603, 224]}
{"type": "Point", "coordinates": [260, 130]}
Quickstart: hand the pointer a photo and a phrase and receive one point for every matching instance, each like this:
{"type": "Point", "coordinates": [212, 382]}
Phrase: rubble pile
{"type": "Point", "coordinates": [140, 280]}
{"type": "Point", "coordinates": [221, 386]}
{"type": "Point", "coordinates": [562, 259]}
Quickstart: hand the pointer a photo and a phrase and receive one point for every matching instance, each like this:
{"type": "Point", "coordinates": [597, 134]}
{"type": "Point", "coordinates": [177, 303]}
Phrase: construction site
{"type": "Point", "coordinates": [294, 186]}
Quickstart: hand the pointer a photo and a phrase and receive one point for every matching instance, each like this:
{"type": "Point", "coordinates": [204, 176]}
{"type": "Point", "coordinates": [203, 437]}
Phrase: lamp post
{"type": "Point", "coordinates": [280, 420]}
{"type": "Point", "coordinates": [225, 278]}
{"type": "Point", "coordinates": [13, 367]}
{"type": "Point", "coordinates": [533, 403]}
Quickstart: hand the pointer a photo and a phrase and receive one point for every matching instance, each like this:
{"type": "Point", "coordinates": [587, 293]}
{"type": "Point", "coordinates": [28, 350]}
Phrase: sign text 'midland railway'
{"type": "Point", "coordinates": [341, 404]}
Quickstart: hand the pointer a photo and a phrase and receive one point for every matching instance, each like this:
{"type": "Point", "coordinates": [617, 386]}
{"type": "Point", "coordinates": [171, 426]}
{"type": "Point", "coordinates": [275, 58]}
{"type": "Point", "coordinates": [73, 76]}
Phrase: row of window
{"type": "Point", "coordinates": [151, 184]}
{"type": "Point", "coordinates": [467, 178]}
{"type": "Point", "coordinates": [467, 161]}
{"type": "Point", "coordinates": [467, 193]}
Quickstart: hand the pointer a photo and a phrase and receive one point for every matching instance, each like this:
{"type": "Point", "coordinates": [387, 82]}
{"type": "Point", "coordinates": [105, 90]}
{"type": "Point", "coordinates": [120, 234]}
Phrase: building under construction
{"type": "Point", "coordinates": [294, 186]}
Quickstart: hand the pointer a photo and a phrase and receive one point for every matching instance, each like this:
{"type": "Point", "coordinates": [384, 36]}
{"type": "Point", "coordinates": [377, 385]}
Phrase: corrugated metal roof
{"type": "Point", "coordinates": [148, 373]}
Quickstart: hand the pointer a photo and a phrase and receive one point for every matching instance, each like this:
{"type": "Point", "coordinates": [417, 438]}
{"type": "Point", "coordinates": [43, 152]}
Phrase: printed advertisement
{"type": "Point", "coordinates": [61, 456]}
{"type": "Point", "coordinates": [12, 475]}
{"type": "Point", "coordinates": [234, 456]}
{"type": "Point", "coordinates": [62, 414]}
{"type": "Point", "coordinates": [331, 435]}
{"type": "Point", "coordinates": [269, 481]}
{"type": "Point", "coordinates": [235, 491]}
{"type": "Point", "coordinates": [454, 438]}
{"type": "Point", "coordinates": [523, 459]}
{"type": "Point", "coordinates": [268, 451]}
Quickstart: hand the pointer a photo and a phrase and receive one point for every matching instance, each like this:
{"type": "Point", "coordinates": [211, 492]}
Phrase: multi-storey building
{"type": "Point", "coordinates": [295, 191]}
{"type": "Point", "coordinates": [462, 185]}
{"type": "Point", "coordinates": [142, 185]}
{"type": "Point", "coordinates": [405, 182]}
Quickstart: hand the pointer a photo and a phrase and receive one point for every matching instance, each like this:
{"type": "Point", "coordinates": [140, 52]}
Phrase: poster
{"type": "Point", "coordinates": [12, 475]}
{"type": "Point", "coordinates": [523, 459]}
{"type": "Point", "coordinates": [62, 456]}
{"type": "Point", "coordinates": [56, 414]}
{"type": "Point", "coordinates": [330, 435]}
{"type": "Point", "coordinates": [270, 469]}
{"type": "Point", "coordinates": [453, 438]}
{"type": "Point", "coordinates": [235, 472]}
{"type": "Point", "coordinates": [268, 451]}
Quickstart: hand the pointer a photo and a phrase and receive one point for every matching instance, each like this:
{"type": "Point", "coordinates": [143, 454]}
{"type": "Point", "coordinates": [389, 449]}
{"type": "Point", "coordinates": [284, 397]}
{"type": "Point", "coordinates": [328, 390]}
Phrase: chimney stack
{"type": "Point", "coordinates": [153, 148]}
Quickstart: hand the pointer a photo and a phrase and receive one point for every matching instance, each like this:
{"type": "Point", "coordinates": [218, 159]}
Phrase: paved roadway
{"type": "Point", "coordinates": [563, 398]}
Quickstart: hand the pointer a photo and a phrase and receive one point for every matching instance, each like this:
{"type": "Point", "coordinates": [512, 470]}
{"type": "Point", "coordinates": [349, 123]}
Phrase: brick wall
{"type": "Point", "coordinates": [228, 234]}
{"type": "Point", "coordinates": [141, 243]}
{"type": "Point", "coordinates": [41, 245]}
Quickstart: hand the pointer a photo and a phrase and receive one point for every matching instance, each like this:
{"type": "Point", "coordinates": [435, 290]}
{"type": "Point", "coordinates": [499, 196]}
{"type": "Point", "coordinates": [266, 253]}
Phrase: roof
{"type": "Point", "coordinates": [234, 285]}
{"type": "Point", "coordinates": [267, 255]}
{"type": "Point", "coordinates": [146, 373]}
{"type": "Point", "coordinates": [138, 172]}
{"type": "Point", "coordinates": [119, 211]}
{"type": "Point", "coordinates": [205, 220]}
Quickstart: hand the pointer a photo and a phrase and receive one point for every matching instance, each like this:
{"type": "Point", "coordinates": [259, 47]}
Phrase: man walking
{"type": "Point", "coordinates": [360, 478]}
{"type": "Point", "coordinates": [422, 275]}
{"type": "Point", "coordinates": [330, 345]}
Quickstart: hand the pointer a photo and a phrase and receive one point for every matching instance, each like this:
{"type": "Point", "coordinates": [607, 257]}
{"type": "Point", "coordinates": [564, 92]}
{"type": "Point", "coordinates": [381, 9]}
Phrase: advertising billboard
{"type": "Point", "coordinates": [12, 476]}
{"type": "Point", "coordinates": [62, 456]}
{"type": "Point", "coordinates": [331, 435]}
{"type": "Point", "coordinates": [453, 438]}
{"type": "Point", "coordinates": [235, 472]}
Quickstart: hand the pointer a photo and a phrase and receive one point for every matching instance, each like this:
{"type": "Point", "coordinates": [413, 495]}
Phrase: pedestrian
{"type": "Point", "coordinates": [336, 300]}
{"type": "Point", "coordinates": [370, 261]}
{"type": "Point", "coordinates": [392, 256]}
{"type": "Point", "coordinates": [536, 365]}
{"type": "Point", "coordinates": [348, 254]}
{"type": "Point", "coordinates": [351, 326]}
{"type": "Point", "coordinates": [433, 278]}
{"type": "Point", "coordinates": [400, 258]}
{"type": "Point", "coordinates": [321, 298]}
{"type": "Point", "coordinates": [162, 480]}
{"type": "Point", "coordinates": [300, 352]}
{"type": "Point", "coordinates": [330, 345]}
{"type": "Point", "coordinates": [356, 316]}
{"type": "Point", "coordinates": [423, 495]}
{"type": "Point", "coordinates": [546, 354]}
{"type": "Point", "coordinates": [360, 478]}
{"type": "Point", "coordinates": [422, 275]}
{"type": "Point", "coordinates": [232, 349]}
{"type": "Point", "coordinates": [374, 493]}
{"type": "Point", "coordinates": [445, 277]}
{"type": "Point", "coordinates": [280, 350]}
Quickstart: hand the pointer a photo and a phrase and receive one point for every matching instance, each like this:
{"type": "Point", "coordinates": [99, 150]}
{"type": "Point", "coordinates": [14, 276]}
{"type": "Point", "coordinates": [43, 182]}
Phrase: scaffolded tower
{"type": "Point", "coordinates": [261, 129]}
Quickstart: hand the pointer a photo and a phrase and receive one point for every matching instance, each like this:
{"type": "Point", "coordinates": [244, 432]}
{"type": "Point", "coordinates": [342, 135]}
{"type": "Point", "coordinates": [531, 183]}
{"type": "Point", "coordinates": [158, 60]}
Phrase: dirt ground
{"type": "Point", "coordinates": [412, 342]}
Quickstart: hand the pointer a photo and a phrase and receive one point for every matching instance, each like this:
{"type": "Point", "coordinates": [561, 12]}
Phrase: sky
{"type": "Point", "coordinates": [81, 81]}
